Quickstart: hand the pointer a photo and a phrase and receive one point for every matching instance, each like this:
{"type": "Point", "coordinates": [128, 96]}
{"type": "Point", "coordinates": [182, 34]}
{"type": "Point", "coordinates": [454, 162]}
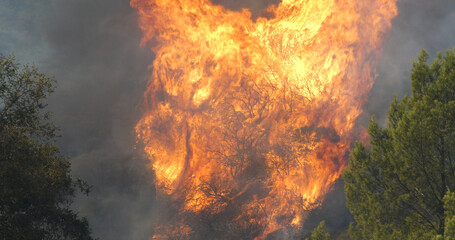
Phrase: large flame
{"type": "Point", "coordinates": [255, 117]}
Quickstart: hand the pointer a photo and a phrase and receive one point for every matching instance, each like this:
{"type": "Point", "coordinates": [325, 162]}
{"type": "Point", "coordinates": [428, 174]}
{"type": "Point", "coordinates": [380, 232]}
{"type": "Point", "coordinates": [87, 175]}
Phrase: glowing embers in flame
{"type": "Point", "coordinates": [248, 123]}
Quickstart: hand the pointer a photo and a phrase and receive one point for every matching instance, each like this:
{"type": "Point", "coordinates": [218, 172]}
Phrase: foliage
{"type": "Point", "coordinates": [320, 233]}
{"type": "Point", "coordinates": [36, 189]}
{"type": "Point", "coordinates": [396, 188]}
{"type": "Point", "coordinates": [449, 208]}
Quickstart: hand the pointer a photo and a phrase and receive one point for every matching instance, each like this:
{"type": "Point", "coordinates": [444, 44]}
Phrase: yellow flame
{"type": "Point", "coordinates": [261, 111]}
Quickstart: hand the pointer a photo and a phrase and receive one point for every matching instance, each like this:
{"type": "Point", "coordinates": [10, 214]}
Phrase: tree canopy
{"type": "Point", "coordinates": [400, 186]}
{"type": "Point", "coordinates": [320, 233]}
{"type": "Point", "coordinates": [36, 188]}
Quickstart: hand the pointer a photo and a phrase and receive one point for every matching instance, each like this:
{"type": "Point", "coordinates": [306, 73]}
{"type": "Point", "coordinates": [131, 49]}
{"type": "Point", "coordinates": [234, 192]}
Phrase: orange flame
{"type": "Point", "coordinates": [256, 114]}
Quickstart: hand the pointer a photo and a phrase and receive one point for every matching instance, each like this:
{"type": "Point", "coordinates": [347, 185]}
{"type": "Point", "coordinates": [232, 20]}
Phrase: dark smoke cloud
{"type": "Point", "coordinates": [102, 71]}
{"type": "Point", "coordinates": [93, 49]}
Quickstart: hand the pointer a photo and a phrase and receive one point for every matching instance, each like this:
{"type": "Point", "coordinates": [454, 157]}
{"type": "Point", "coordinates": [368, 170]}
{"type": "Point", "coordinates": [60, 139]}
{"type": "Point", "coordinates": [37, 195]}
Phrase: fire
{"type": "Point", "coordinates": [250, 120]}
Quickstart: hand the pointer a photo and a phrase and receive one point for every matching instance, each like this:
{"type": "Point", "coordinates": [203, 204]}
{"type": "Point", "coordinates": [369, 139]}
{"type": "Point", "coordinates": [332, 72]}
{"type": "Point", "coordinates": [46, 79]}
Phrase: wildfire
{"type": "Point", "coordinates": [248, 123]}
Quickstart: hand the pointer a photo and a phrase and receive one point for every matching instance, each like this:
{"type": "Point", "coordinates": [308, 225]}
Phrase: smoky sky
{"type": "Point", "coordinates": [92, 49]}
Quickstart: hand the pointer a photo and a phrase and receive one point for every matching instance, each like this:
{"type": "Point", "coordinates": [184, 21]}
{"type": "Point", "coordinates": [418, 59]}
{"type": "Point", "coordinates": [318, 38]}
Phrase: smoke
{"type": "Point", "coordinates": [420, 24]}
{"type": "Point", "coordinates": [256, 7]}
{"type": "Point", "coordinates": [102, 72]}
{"type": "Point", "coordinates": [92, 48]}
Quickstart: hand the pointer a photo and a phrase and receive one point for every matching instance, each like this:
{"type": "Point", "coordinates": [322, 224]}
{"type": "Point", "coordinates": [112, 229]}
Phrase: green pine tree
{"type": "Point", "coordinates": [396, 189]}
{"type": "Point", "coordinates": [449, 208]}
{"type": "Point", "coordinates": [320, 233]}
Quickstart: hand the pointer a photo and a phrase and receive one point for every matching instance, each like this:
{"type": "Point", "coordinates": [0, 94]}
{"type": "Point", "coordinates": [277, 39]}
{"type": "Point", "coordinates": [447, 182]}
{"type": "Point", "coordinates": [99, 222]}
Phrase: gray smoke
{"type": "Point", "coordinates": [421, 24]}
{"type": "Point", "coordinates": [92, 48]}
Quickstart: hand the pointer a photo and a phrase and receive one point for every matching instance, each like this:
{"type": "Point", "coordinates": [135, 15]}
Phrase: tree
{"type": "Point", "coordinates": [396, 188]}
{"type": "Point", "coordinates": [36, 188]}
{"type": "Point", "coordinates": [320, 233]}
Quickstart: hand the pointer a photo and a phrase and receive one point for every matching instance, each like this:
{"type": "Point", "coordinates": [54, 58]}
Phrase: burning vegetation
{"type": "Point", "coordinates": [248, 123]}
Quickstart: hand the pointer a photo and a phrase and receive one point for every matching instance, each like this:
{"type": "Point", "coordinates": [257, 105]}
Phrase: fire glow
{"type": "Point", "coordinates": [252, 120]}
